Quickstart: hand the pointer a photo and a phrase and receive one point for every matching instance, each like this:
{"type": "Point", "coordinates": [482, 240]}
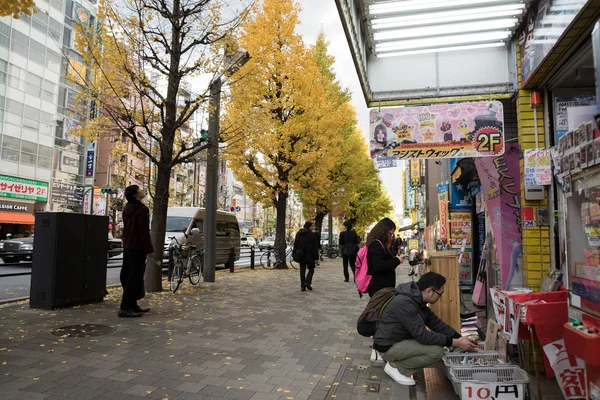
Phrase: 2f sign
{"type": "Point", "coordinates": [491, 391]}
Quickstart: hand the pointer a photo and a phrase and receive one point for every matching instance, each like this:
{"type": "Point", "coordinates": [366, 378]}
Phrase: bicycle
{"type": "Point", "coordinates": [331, 251]}
{"type": "Point", "coordinates": [270, 259]}
{"type": "Point", "coordinates": [193, 268]}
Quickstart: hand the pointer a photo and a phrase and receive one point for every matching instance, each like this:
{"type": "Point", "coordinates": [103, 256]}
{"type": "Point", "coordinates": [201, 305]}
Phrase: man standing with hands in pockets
{"type": "Point", "coordinates": [137, 246]}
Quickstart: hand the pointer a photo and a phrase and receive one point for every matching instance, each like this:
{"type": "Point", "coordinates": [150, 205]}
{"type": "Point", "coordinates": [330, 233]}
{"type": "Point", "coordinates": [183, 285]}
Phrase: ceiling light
{"type": "Point", "coordinates": [442, 41]}
{"type": "Point", "coordinates": [427, 19]}
{"type": "Point", "coordinates": [417, 5]}
{"type": "Point", "coordinates": [440, 50]}
{"type": "Point", "coordinates": [446, 29]}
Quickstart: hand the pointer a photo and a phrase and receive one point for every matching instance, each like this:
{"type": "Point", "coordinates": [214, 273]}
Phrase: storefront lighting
{"type": "Point", "coordinates": [443, 41]}
{"type": "Point", "coordinates": [418, 5]}
{"type": "Point", "coordinates": [441, 50]}
{"type": "Point", "coordinates": [450, 29]}
{"type": "Point", "coordinates": [470, 14]}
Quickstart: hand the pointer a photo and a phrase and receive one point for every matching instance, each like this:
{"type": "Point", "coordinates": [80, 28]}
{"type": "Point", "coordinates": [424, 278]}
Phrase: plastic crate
{"type": "Point", "coordinates": [496, 378]}
{"type": "Point", "coordinates": [480, 359]}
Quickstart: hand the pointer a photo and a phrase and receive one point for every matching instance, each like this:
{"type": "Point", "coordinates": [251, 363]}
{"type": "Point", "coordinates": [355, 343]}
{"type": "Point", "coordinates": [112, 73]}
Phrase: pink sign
{"type": "Point", "coordinates": [501, 183]}
{"type": "Point", "coordinates": [438, 131]}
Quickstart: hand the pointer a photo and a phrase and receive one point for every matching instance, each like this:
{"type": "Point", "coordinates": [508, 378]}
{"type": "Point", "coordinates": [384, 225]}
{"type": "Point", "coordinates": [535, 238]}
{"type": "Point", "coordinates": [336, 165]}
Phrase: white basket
{"type": "Point", "coordinates": [501, 377]}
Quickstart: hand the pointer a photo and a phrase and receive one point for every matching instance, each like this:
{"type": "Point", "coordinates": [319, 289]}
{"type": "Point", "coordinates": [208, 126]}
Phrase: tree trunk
{"type": "Point", "coordinates": [280, 244]}
{"type": "Point", "coordinates": [153, 278]}
{"type": "Point", "coordinates": [319, 222]}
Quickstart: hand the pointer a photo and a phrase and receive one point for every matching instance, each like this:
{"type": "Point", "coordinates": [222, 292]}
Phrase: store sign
{"type": "Point", "coordinates": [80, 14]}
{"type": "Point", "coordinates": [562, 111]}
{"type": "Point", "coordinates": [26, 189]}
{"type": "Point", "coordinates": [461, 240]}
{"type": "Point", "coordinates": [413, 244]}
{"type": "Point", "coordinates": [411, 199]}
{"type": "Point", "coordinates": [460, 197]}
{"type": "Point", "coordinates": [569, 370]}
{"type": "Point", "coordinates": [415, 173]}
{"type": "Point", "coordinates": [16, 207]}
{"type": "Point", "coordinates": [538, 168]}
{"type": "Point", "coordinates": [90, 158]}
{"type": "Point", "coordinates": [545, 25]}
{"type": "Point", "coordinates": [442, 190]}
{"type": "Point", "coordinates": [501, 184]}
{"type": "Point", "coordinates": [386, 162]}
{"type": "Point", "coordinates": [69, 162]}
{"type": "Point", "coordinates": [67, 194]}
{"type": "Point", "coordinates": [438, 131]}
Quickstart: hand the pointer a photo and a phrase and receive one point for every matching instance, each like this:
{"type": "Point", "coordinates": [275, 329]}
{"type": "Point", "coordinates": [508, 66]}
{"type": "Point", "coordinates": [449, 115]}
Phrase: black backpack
{"type": "Point", "coordinates": [369, 318]}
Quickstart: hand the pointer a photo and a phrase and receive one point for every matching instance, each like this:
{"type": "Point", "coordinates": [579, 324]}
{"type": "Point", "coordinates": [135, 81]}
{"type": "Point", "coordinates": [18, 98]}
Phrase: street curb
{"type": "Point", "coordinates": [18, 299]}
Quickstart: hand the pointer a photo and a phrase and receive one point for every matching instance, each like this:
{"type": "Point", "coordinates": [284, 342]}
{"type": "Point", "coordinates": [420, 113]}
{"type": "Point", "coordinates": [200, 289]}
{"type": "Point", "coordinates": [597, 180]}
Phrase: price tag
{"type": "Point", "coordinates": [491, 391]}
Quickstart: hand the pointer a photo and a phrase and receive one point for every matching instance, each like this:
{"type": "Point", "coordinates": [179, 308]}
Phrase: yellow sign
{"type": "Point", "coordinates": [415, 172]}
{"type": "Point", "coordinates": [413, 244]}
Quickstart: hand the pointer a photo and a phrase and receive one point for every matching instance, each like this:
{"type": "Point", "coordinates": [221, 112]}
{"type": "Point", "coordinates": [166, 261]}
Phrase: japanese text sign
{"type": "Point", "coordinates": [569, 370]}
{"type": "Point", "coordinates": [438, 131]}
{"type": "Point", "coordinates": [495, 391]}
{"type": "Point", "coordinates": [18, 188]}
{"type": "Point", "coordinates": [442, 190]}
{"type": "Point", "coordinates": [538, 170]}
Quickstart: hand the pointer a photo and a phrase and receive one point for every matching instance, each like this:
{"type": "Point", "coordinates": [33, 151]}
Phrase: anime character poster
{"type": "Point", "coordinates": [438, 131]}
{"type": "Point", "coordinates": [501, 183]}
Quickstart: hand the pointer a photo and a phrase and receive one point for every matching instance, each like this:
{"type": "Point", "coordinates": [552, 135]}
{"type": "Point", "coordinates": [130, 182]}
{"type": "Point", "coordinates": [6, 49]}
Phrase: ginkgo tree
{"type": "Point", "coordinates": [16, 7]}
{"type": "Point", "coordinates": [141, 58]}
{"type": "Point", "coordinates": [287, 119]}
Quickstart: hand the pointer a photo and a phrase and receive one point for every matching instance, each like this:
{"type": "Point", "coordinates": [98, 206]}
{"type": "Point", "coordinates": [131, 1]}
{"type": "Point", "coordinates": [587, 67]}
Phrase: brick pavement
{"type": "Point", "coordinates": [252, 335]}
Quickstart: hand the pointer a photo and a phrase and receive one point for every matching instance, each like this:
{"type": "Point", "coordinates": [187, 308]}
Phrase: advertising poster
{"type": "Point", "coordinates": [545, 24]}
{"type": "Point", "coordinates": [69, 162]}
{"type": "Point", "coordinates": [438, 131]}
{"type": "Point", "coordinates": [501, 183]}
{"type": "Point", "coordinates": [442, 190]}
{"type": "Point", "coordinates": [460, 197]}
{"type": "Point", "coordinates": [386, 162]}
{"type": "Point", "coordinates": [415, 173]}
{"type": "Point", "coordinates": [462, 241]}
{"type": "Point", "coordinates": [538, 168]}
{"type": "Point", "coordinates": [562, 111]}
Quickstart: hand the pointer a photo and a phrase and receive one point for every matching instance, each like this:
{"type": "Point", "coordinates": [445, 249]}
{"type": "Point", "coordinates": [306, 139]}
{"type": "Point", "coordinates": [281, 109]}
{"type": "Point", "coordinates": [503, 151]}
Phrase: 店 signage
{"type": "Point", "coordinates": [16, 207]}
{"type": "Point", "coordinates": [69, 162]}
{"type": "Point", "coordinates": [538, 171]}
{"type": "Point", "coordinates": [438, 131]}
{"type": "Point", "coordinates": [27, 189]}
{"type": "Point", "coordinates": [68, 194]}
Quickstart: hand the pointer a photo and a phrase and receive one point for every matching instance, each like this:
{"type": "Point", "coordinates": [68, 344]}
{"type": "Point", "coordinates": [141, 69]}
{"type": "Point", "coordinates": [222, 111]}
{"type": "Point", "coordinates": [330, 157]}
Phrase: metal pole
{"type": "Point", "coordinates": [212, 177]}
{"type": "Point", "coordinates": [330, 228]}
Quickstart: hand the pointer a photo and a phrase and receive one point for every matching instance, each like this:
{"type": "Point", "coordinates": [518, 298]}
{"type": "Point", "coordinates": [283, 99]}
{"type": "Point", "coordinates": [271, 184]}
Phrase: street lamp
{"type": "Point", "coordinates": [232, 63]}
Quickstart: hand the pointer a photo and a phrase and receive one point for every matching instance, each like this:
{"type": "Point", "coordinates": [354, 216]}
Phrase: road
{"type": "Point", "coordinates": [12, 287]}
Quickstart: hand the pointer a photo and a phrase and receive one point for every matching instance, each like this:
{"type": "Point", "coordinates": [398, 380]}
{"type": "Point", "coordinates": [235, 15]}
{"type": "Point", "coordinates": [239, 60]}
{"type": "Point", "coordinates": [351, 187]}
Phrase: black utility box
{"type": "Point", "coordinates": [69, 260]}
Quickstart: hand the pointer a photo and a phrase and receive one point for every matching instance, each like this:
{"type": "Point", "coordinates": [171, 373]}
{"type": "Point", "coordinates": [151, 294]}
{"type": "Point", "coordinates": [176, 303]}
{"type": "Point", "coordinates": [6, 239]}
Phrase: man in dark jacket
{"type": "Point", "coordinates": [402, 335]}
{"type": "Point", "coordinates": [348, 242]}
{"type": "Point", "coordinates": [136, 247]}
{"type": "Point", "coordinates": [306, 253]}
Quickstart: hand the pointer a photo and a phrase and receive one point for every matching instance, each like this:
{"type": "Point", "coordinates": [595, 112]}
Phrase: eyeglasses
{"type": "Point", "coordinates": [436, 292]}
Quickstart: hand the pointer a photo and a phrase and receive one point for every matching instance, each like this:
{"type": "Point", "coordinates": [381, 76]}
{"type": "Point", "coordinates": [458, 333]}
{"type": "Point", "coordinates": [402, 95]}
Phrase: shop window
{"type": "Point", "coordinates": [10, 155]}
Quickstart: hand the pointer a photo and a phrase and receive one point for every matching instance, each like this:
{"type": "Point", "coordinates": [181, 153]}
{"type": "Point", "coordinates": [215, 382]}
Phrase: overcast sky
{"type": "Point", "coordinates": [323, 14]}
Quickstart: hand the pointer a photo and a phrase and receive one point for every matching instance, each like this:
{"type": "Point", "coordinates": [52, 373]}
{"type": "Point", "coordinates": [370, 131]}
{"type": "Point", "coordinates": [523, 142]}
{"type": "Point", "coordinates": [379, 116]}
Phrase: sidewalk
{"type": "Point", "coordinates": [252, 335]}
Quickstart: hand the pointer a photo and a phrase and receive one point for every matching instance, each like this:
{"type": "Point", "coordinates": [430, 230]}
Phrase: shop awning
{"type": "Point", "coordinates": [16, 218]}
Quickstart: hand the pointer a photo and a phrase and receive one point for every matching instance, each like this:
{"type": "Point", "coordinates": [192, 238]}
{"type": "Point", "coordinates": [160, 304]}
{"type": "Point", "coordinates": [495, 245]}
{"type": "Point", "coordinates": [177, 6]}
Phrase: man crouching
{"type": "Point", "coordinates": [402, 336]}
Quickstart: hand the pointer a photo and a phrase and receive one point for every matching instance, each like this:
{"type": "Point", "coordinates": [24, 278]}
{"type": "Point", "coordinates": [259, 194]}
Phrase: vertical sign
{"type": "Point", "coordinates": [442, 190]}
{"type": "Point", "coordinates": [538, 171]}
{"type": "Point", "coordinates": [501, 184]}
{"type": "Point", "coordinates": [461, 240]}
{"type": "Point", "coordinates": [415, 172]}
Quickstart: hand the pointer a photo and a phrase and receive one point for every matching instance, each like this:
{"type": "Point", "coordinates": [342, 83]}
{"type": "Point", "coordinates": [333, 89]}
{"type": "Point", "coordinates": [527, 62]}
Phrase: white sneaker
{"type": "Point", "coordinates": [376, 358]}
{"type": "Point", "coordinates": [397, 376]}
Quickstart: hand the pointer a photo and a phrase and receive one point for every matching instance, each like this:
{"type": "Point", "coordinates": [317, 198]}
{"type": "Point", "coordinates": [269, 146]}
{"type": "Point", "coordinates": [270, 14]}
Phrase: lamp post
{"type": "Point", "coordinates": [233, 63]}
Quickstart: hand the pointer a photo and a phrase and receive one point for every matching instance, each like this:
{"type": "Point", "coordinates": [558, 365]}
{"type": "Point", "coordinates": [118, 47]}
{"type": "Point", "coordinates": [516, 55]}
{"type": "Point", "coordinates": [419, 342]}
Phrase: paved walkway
{"type": "Point", "coordinates": [251, 335]}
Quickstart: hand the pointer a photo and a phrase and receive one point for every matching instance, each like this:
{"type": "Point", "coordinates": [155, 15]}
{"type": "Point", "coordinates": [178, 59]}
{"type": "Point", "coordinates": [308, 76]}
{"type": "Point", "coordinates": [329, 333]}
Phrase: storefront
{"type": "Point", "coordinates": [19, 200]}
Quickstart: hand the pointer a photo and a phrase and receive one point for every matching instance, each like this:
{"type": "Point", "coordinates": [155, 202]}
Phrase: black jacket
{"type": "Point", "coordinates": [308, 243]}
{"type": "Point", "coordinates": [407, 317]}
{"type": "Point", "coordinates": [136, 230]}
{"type": "Point", "coordinates": [349, 237]}
{"type": "Point", "coordinates": [382, 267]}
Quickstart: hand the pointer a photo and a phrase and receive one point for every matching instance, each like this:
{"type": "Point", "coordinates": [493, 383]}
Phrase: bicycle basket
{"type": "Point", "coordinates": [184, 252]}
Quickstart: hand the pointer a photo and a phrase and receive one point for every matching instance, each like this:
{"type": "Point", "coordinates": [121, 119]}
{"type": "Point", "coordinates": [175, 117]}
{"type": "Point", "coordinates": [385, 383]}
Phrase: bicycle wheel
{"type": "Point", "coordinates": [196, 268]}
{"type": "Point", "coordinates": [267, 260]}
{"type": "Point", "coordinates": [289, 256]}
{"type": "Point", "coordinates": [176, 275]}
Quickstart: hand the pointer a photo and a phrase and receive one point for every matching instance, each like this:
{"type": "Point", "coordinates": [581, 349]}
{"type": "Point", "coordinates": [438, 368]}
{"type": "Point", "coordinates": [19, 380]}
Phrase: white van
{"type": "Point", "coordinates": [184, 219]}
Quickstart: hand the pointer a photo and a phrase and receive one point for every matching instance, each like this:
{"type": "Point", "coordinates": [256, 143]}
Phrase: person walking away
{"type": "Point", "coordinates": [137, 246]}
{"type": "Point", "coordinates": [409, 343]}
{"type": "Point", "coordinates": [382, 264]}
{"type": "Point", "coordinates": [348, 242]}
{"type": "Point", "coordinates": [306, 253]}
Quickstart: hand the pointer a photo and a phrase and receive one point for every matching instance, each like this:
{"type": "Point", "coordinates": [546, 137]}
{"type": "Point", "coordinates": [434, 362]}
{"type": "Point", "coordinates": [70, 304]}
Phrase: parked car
{"type": "Point", "coordinates": [268, 243]}
{"type": "Point", "coordinates": [184, 219]}
{"type": "Point", "coordinates": [21, 249]}
{"type": "Point", "coordinates": [248, 241]}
